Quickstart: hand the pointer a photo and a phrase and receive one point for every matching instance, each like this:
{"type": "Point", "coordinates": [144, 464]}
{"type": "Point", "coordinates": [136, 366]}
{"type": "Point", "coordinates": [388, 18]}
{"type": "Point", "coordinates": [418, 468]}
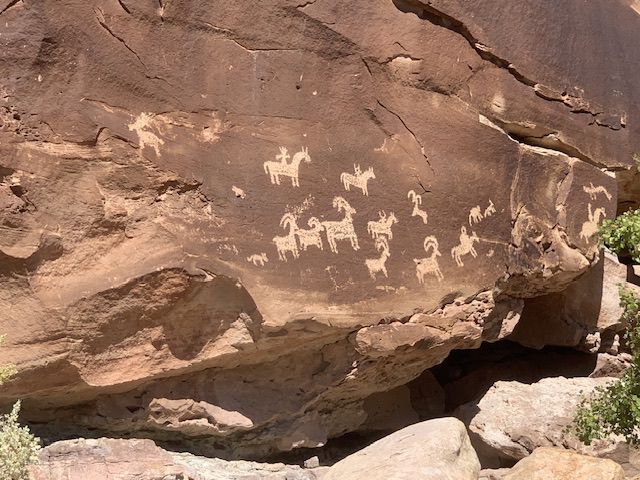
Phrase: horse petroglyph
{"type": "Point", "coordinates": [590, 227]}
{"type": "Point", "coordinates": [465, 246]}
{"type": "Point", "coordinates": [358, 179]}
{"type": "Point", "coordinates": [383, 226]}
{"type": "Point", "coordinates": [311, 237]}
{"type": "Point", "coordinates": [429, 265]}
{"type": "Point", "coordinates": [417, 201]}
{"type": "Point", "coordinates": [281, 167]}
{"type": "Point", "coordinates": [258, 259]}
{"type": "Point", "coordinates": [375, 265]}
{"type": "Point", "coordinates": [343, 229]}
{"type": "Point", "coordinates": [287, 243]}
{"type": "Point", "coordinates": [594, 191]}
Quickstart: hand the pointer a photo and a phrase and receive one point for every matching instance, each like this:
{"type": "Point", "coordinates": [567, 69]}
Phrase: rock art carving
{"type": "Point", "coordinates": [593, 191]}
{"type": "Point", "coordinates": [383, 226]}
{"type": "Point", "coordinates": [311, 237]}
{"type": "Point", "coordinates": [465, 246]}
{"type": "Point", "coordinates": [416, 199]}
{"type": "Point", "coordinates": [145, 137]}
{"type": "Point", "coordinates": [475, 215]}
{"type": "Point", "coordinates": [358, 179]}
{"type": "Point", "coordinates": [288, 242]}
{"type": "Point", "coordinates": [490, 210]}
{"type": "Point", "coordinates": [258, 259]}
{"type": "Point", "coordinates": [238, 192]}
{"type": "Point", "coordinates": [590, 227]}
{"type": "Point", "coordinates": [375, 265]}
{"type": "Point", "coordinates": [343, 229]}
{"type": "Point", "coordinates": [281, 167]}
{"type": "Point", "coordinates": [429, 265]}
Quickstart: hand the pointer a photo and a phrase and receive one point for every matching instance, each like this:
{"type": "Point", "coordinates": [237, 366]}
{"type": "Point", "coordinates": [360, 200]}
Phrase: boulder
{"type": "Point", "coordinates": [513, 419]}
{"type": "Point", "coordinates": [229, 224]}
{"type": "Point", "coordinates": [119, 459]}
{"type": "Point", "coordinates": [433, 450]}
{"type": "Point", "coordinates": [558, 464]}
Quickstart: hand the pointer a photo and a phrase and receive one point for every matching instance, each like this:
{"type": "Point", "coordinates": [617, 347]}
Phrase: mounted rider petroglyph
{"type": "Point", "coordinates": [590, 227]}
{"type": "Point", "coordinates": [593, 191]}
{"type": "Point", "coordinates": [416, 199]}
{"type": "Point", "coordinates": [383, 226]}
{"type": "Point", "coordinates": [375, 265]}
{"type": "Point", "coordinates": [429, 265]}
{"type": "Point", "coordinates": [281, 167]}
{"type": "Point", "coordinates": [342, 229]}
{"type": "Point", "coordinates": [358, 179]}
{"type": "Point", "coordinates": [288, 243]}
{"type": "Point", "coordinates": [465, 246]}
{"type": "Point", "coordinates": [258, 259]}
{"type": "Point", "coordinates": [311, 237]}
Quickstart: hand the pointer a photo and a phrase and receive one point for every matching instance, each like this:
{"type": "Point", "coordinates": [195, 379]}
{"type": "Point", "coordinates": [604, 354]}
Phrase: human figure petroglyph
{"type": "Point", "coordinates": [311, 237]}
{"type": "Point", "coordinates": [465, 246]}
{"type": "Point", "coordinates": [375, 265]}
{"type": "Point", "coordinates": [287, 243]}
{"type": "Point", "coordinates": [475, 215]}
{"type": "Point", "coordinates": [357, 179]}
{"type": "Point", "coordinates": [490, 210]}
{"type": "Point", "coordinates": [283, 168]}
{"type": "Point", "coordinates": [383, 226]}
{"type": "Point", "coordinates": [593, 191]}
{"type": "Point", "coordinates": [343, 229]}
{"type": "Point", "coordinates": [590, 227]}
{"type": "Point", "coordinates": [145, 137]}
{"type": "Point", "coordinates": [416, 199]}
{"type": "Point", "coordinates": [258, 259]}
{"type": "Point", "coordinates": [429, 265]}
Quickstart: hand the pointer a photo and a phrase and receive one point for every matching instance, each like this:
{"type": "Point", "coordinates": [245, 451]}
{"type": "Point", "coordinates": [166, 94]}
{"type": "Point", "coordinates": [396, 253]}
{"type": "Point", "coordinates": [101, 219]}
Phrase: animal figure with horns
{"type": "Point", "coordinates": [429, 265]}
{"type": "Point", "coordinates": [342, 229]}
{"type": "Point", "coordinates": [287, 244]}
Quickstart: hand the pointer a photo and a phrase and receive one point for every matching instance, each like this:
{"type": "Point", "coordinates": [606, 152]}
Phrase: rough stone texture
{"type": "Point", "coordinates": [559, 464]}
{"type": "Point", "coordinates": [115, 459]}
{"type": "Point", "coordinates": [434, 450]}
{"type": "Point", "coordinates": [467, 375]}
{"type": "Point", "coordinates": [143, 281]}
{"type": "Point", "coordinates": [513, 419]}
{"type": "Point", "coordinates": [586, 315]}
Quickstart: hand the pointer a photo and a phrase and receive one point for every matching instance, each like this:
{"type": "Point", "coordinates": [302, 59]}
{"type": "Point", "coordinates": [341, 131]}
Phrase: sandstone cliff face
{"type": "Point", "coordinates": [239, 222]}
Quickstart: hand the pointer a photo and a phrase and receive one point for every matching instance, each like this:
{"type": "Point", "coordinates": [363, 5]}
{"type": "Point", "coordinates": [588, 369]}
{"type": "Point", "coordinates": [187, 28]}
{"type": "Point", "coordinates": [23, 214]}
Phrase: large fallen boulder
{"type": "Point", "coordinates": [558, 464]}
{"type": "Point", "coordinates": [119, 459]}
{"type": "Point", "coordinates": [433, 450]}
{"type": "Point", "coordinates": [513, 419]}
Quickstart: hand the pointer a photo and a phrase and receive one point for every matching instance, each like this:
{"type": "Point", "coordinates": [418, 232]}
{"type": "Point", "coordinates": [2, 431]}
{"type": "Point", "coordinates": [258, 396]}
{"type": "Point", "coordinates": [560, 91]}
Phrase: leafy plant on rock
{"type": "Point", "coordinates": [18, 447]}
{"type": "Point", "coordinates": [615, 408]}
{"type": "Point", "coordinates": [622, 234]}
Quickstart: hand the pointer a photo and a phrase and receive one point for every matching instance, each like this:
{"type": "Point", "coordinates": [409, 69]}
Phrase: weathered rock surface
{"type": "Point", "coordinates": [558, 464]}
{"type": "Point", "coordinates": [587, 314]}
{"type": "Point", "coordinates": [434, 450]}
{"type": "Point", "coordinates": [513, 419]}
{"type": "Point", "coordinates": [166, 268]}
{"type": "Point", "coordinates": [115, 459]}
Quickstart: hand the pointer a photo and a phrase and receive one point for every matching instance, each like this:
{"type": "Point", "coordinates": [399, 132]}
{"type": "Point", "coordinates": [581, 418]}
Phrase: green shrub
{"type": "Point", "coordinates": [18, 447]}
{"type": "Point", "coordinates": [615, 409]}
{"type": "Point", "coordinates": [622, 234]}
